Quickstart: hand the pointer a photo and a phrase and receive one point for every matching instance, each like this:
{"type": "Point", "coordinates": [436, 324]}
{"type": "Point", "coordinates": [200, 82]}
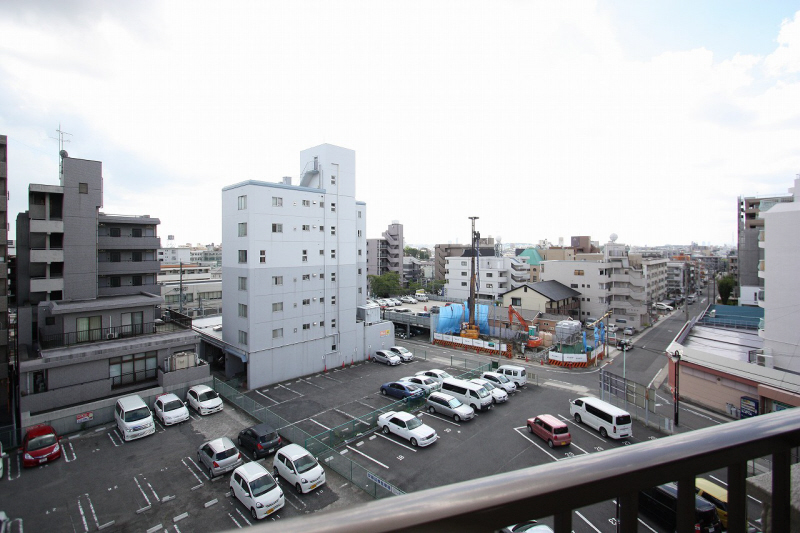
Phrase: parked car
{"type": "Point", "coordinates": [661, 306]}
{"type": "Point", "coordinates": [299, 468]}
{"type": "Point", "coordinates": [716, 495]}
{"type": "Point", "coordinates": [434, 309]}
{"type": "Point", "coordinates": [261, 439]}
{"type": "Point", "coordinates": [3, 456]}
{"type": "Point", "coordinates": [435, 373]}
{"type": "Point", "coordinates": [204, 400]}
{"type": "Point", "coordinates": [386, 357]}
{"type": "Point", "coordinates": [498, 395]}
{"type": "Point", "coordinates": [500, 380]}
{"type": "Point", "coordinates": [612, 328]}
{"type": "Point", "coordinates": [133, 417]}
{"type": "Point", "coordinates": [407, 426]}
{"type": "Point", "coordinates": [629, 331]}
{"type": "Point", "coordinates": [661, 504]}
{"type": "Point", "coordinates": [40, 445]}
{"type": "Point", "coordinates": [252, 485]}
{"type": "Point", "coordinates": [429, 385]}
{"type": "Point", "coordinates": [395, 301]}
{"type": "Point", "coordinates": [625, 344]}
{"type": "Point", "coordinates": [402, 353]}
{"type": "Point", "coordinates": [439, 402]}
{"type": "Point", "coordinates": [408, 300]}
{"type": "Point", "coordinates": [421, 297]}
{"type": "Point", "coordinates": [402, 390]}
{"type": "Point", "coordinates": [170, 409]}
{"type": "Point", "coordinates": [529, 526]}
{"type": "Point", "coordinates": [550, 429]}
{"type": "Point", "coordinates": [382, 302]}
{"type": "Point", "coordinates": [219, 456]}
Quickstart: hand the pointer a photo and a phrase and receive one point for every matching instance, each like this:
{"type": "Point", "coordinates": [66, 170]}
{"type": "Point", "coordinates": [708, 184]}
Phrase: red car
{"type": "Point", "coordinates": [41, 445]}
{"type": "Point", "coordinates": [551, 429]}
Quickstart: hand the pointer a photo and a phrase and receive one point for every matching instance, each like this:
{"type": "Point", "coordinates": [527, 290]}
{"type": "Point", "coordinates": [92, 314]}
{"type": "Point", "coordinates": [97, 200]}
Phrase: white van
{"type": "Point", "coordinates": [609, 420]}
{"type": "Point", "coordinates": [134, 419]}
{"type": "Point", "coordinates": [472, 394]}
{"type": "Point", "coordinates": [516, 374]}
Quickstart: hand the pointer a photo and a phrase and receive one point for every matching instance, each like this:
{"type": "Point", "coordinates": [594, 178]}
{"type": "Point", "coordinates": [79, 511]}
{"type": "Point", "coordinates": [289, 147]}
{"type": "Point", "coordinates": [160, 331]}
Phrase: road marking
{"type": "Point", "coordinates": [154, 528]}
{"type": "Point", "coordinates": [290, 390]}
{"type": "Point", "coordinates": [66, 454]}
{"type": "Point", "coordinates": [145, 497]}
{"type": "Point", "coordinates": [576, 446]}
{"type": "Point", "coordinates": [198, 468]}
{"type": "Point", "coordinates": [200, 481]}
{"type": "Point", "coordinates": [532, 442]}
{"type": "Point", "coordinates": [442, 419]}
{"type": "Point", "coordinates": [365, 404]}
{"type": "Point", "coordinates": [332, 379]}
{"type": "Point", "coordinates": [399, 444]}
{"type": "Point", "coordinates": [152, 490]}
{"type": "Point", "coordinates": [598, 437]}
{"type": "Point", "coordinates": [244, 517]}
{"type": "Point", "coordinates": [358, 420]}
{"type": "Point", "coordinates": [720, 481]}
{"type": "Point", "coordinates": [368, 457]}
{"type": "Point", "coordinates": [83, 517]}
{"type": "Point", "coordinates": [234, 521]}
{"type": "Point", "coordinates": [645, 525]}
{"type": "Point", "coordinates": [312, 384]}
{"type": "Point", "coordinates": [176, 528]}
{"type": "Point", "coordinates": [267, 397]}
{"type": "Point", "coordinates": [155, 419]}
{"type": "Point", "coordinates": [114, 442]}
{"type": "Point", "coordinates": [317, 423]}
{"type": "Point", "coordinates": [94, 515]}
{"type": "Point", "coordinates": [180, 517]}
{"type": "Point", "coordinates": [210, 503]}
{"type": "Point", "coordinates": [585, 520]}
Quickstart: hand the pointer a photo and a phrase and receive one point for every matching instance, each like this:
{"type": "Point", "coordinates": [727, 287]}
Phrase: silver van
{"type": "Point", "coordinates": [133, 417]}
{"type": "Point", "coordinates": [472, 394]}
{"type": "Point", "coordinates": [446, 404]}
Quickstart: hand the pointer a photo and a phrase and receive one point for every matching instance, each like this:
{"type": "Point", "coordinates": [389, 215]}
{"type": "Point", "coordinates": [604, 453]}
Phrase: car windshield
{"type": "Point", "coordinates": [414, 423]}
{"type": "Point", "coordinates": [488, 386]}
{"type": "Point", "coordinates": [483, 393]}
{"type": "Point", "coordinates": [262, 485]}
{"type": "Point", "coordinates": [445, 375]}
{"type": "Point", "coordinates": [208, 395]}
{"type": "Point", "coordinates": [137, 414]}
{"type": "Point", "coordinates": [42, 441]}
{"type": "Point", "coordinates": [455, 402]}
{"type": "Point", "coordinates": [171, 406]}
{"type": "Point", "coordinates": [501, 378]}
{"type": "Point", "coordinates": [305, 463]}
{"type": "Point", "coordinates": [401, 350]}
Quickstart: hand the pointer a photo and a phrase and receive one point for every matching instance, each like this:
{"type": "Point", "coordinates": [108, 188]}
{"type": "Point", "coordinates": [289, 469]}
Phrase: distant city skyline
{"type": "Point", "coordinates": [543, 119]}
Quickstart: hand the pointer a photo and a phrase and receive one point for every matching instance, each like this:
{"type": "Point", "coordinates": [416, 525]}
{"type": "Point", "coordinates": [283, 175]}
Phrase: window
{"type": "Point", "coordinates": [359, 290]}
{"type": "Point", "coordinates": [333, 276]}
{"type": "Point", "coordinates": [263, 257]}
{"type": "Point", "coordinates": [277, 201]}
{"type": "Point", "coordinates": [359, 214]}
{"type": "Point", "coordinates": [242, 229]}
{"type": "Point", "coordinates": [463, 263]}
{"type": "Point", "coordinates": [333, 300]}
{"type": "Point", "coordinates": [243, 310]}
{"type": "Point", "coordinates": [89, 328]}
{"type": "Point", "coordinates": [242, 202]}
{"type": "Point", "coordinates": [277, 306]}
{"type": "Point", "coordinates": [306, 203]}
{"type": "Point", "coordinates": [333, 207]}
{"type": "Point", "coordinates": [333, 347]}
{"type": "Point", "coordinates": [277, 228]}
{"type": "Point", "coordinates": [306, 301]}
{"type": "Point", "coordinates": [242, 337]}
{"type": "Point", "coordinates": [333, 180]}
{"type": "Point", "coordinates": [114, 232]}
{"type": "Point", "coordinates": [489, 285]}
{"type": "Point", "coordinates": [333, 230]}
{"type": "Point", "coordinates": [573, 285]}
{"type": "Point", "coordinates": [83, 188]}
{"type": "Point", "coordinates": [136, 257]}
{"type": "Point", "coordinates": [305, 255]}
{"type": "Point", "coordinates": [579, 272]}
{"type": "Point", "coordinates": [277, 280]}
{"type": "Point", "coordinates": [277, 333]}
{"type": "Point", "coordinates": [50, 321]}
{"type": "Point", "coordinates": [488, 274]}
{"type": "Point", "coordinates": [333, 254]}
{"type": "Point", "coordinates": [516, 301]}
{"type": "Point", "coordinates": [463, 273]}
{"type": "Point", "coordinates": [322, 299]}
{"type": "Point", "coordinates": [242, 284]}
{"type": "Point", "coordinates": [306, 326]}
{"type": "Point", "coordinates": [322, 228]}
{"type": "Point", "coordinates": [243, 256]}
{"type": "Point", "coordinates": [306, 227]}
{"type": "Point", "coordinates": [133, 368]}
{"type": "Point", "coordinates": [588, 286]}
{"type": "Point", "coordinates": [114, 281]}
{"type": "Point", "coordinates": [322, 204]}
{"type": "Point", "coordinates": [136, 232]}
{"type": "Point", "coordinates": [359, 251]}
{"type": "Point", "coordinates": [322, 276]}
{"type": "Point", "coordinates": [463, 283]}
{"type": "Point", "coordinates": [306, 277]}
{"type": "Point", "coordinates": [359, 233]}
{"type": "Point", "coordinates": [114, 257]}
{"type": "Point", "coordinates": [322, 252]}
{"type": "Point", "coordinates": [359, 271]}
{"type": "Point", "coordinates": [322, 323]}
{"type": "Point", "coordinates": [136, 280]}
{"type": "Point", "coordinates": [333, 322]}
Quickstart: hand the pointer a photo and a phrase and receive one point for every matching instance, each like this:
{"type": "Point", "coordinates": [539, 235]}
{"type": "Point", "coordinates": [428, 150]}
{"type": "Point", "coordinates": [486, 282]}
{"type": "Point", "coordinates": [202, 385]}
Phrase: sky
{"type": "Point", "coordinates": [545, 119]}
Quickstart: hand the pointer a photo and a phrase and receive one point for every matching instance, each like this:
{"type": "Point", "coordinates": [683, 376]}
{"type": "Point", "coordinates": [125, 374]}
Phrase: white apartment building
{"type": "Point", "coordinates": [294, 270]}
{"type": "Point", "coordinates": [175, 255]}
{"type": "Point", "coordinates": [612, 284]}
{"type": "Point", "coordinates": [496, 275]}
{"type": "Point", "coordinates": [780, 297]}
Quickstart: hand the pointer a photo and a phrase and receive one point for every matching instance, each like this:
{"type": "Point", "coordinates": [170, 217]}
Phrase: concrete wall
{"type": "Point", "coordinates": [712, 391]}
{"type": "Point", "coordinates": [80, 227]}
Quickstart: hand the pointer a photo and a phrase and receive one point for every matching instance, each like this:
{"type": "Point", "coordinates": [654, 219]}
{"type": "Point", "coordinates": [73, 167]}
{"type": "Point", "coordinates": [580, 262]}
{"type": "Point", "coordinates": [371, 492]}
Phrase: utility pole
{"type": "Point", "coordinates": [472, 276]}
{"type": "Point", "coordinates": [180, 288]}
{"type": "Point", "coordinates": [686, 297]}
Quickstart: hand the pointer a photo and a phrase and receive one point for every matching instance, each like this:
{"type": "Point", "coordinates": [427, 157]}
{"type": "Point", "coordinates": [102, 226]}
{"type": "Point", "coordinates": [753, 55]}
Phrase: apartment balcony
{"type": "Point", "coordinates": [47, 226]}
{"type": "Point", "coordinates": [47, 284]}
{"type": "Point", "coordinates": [60, 340]}
{"type": "Point", "coordinates": [129, 289]}
{"type": "Point", "coordinates": [50, 255]}
{"type": "Point", "coordinates": [761, 238]}
{"type": "Point", "coordinates": [107, 268]}
{"type": "Point", "coordinates": [762, 267]}
{"type": "Point", "coordinates": [127, 242]}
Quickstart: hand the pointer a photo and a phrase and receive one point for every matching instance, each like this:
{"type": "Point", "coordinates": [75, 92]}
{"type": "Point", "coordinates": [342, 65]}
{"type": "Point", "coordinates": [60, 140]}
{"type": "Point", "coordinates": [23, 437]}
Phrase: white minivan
{"type": "Point", "coordinates": [609, 420]}
{"type": "Point", "coordinates": [472, 394]}
{"type": "Point", "coordinates": [516, 374]}
{"type": "Point", "coordinates": [134, 419]}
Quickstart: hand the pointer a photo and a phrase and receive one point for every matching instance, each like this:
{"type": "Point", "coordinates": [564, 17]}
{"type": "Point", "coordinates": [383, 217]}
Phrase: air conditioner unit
{"type": "Point", "coordinates": [764, 360]}
{"type": "Point", "coordinates": [112, 336]}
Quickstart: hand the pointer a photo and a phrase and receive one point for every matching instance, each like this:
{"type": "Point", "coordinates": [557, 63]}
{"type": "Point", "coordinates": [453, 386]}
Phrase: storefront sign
{"type": "Point", "coordinates": [749, 407]}
{"type": "Point", "coordinates": [84, 417]}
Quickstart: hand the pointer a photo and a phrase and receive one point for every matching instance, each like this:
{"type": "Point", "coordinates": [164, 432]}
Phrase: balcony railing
{"type": "Point", "coordinates": [557, 489]}
{"type": "Point", "coordinates": [61, 340]}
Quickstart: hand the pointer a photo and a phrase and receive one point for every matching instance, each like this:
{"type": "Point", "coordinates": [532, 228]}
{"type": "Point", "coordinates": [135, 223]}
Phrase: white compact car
{"type": "Point", "coordinates": [402, 353]}
{"type": "Point", "coordinates": [204, 400]}
{"type": "Point", "coordinates": [170, 409]}
{"type": "Point", "coordinates": [498, 394]}
{"type": "Point", "coordinates": [387, 357]}
{"type": "Point", "coordinates": [428, 384]}
{"type": "Point", "coordinates": [299, 468]}
{"type": "Point", "coordinates": [500, 380]}
{"type": "Point", "coordinates": [407, 426]}
{"type": "Point", "coordinates": [435, 373]}
{"type": "Point", "coordinates": [257, 490]}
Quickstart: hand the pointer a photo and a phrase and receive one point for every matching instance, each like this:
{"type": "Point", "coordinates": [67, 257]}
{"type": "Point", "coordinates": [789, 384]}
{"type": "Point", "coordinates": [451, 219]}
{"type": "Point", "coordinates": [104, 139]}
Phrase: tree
{"type": "Point", "coordinates": [421, 254]}
{"type": "Point", "coordinates": [725, 287]}
{"type": "Point", "coordinates": [385, 285]}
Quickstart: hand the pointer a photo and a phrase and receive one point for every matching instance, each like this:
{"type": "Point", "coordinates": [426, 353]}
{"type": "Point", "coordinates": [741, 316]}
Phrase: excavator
{"type": "Point", "coordinates": [533, 341]}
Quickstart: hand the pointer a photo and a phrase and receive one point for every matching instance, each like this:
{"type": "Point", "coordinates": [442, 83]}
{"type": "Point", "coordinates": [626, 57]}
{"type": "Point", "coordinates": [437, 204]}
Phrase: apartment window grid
{"type": "Point", "coordinates": [242, 283]}
{"type": "Point", "coordinates": [333, 300]}
{"type": "Point", "coordinates": [333, 254]}
{"type": "Point", "coordinates": [242, 256]}
{"type": "Point", "coordinates": [306, 301]}
{"type": "Point", "coordinates": [306, 227]}
{"type": "Point", "coordinates": [306, 326]}
{"type": "Point", "coordinates": [277, 333]}
{"type": "Point", "coordinates": [277, 280]}
{"type": "Point", "coordinates": [242, 229]}
{"type": "Point", "coordinates": [277, 201]}
{"type": "Point", "coordinates": [306, 203]}
{"type": "Point", "coordinates": [262, 257]}
{"type": "Point", "coordinates": [243, 337]}
{"type": "Point", "coordinates": [133, 368]}
{"type": "Point", "coordinates": [333, 179]}
{"type": "Point", "coordinates": [333, 322]}
{"type": "Point", "coordinates": [243, 310]}
{"type": "Point", "coordinates": [333, 207]}
{"type": "Point", "coordinates": [306, 277]}
{"type": "Point", "coordinates": [333, 230]}
{"type": "Point", "coordinates": [277, 306]}
{"type": "Point", "coordinates": [277, 228]}
{"type": "Point", "coordinates": [322, 228]}
{"type": "Point", "coordinates": [83, 188]}
{"type": "Point", "coordinates": [305, 256]}
{"type": "Point", "coordinates": [242, 200]}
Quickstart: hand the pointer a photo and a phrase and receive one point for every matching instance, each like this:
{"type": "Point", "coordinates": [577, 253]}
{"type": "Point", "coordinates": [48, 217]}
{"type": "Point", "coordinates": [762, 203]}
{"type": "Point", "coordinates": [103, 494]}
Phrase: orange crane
{"type": "Point", "coordinates": [533, 340]}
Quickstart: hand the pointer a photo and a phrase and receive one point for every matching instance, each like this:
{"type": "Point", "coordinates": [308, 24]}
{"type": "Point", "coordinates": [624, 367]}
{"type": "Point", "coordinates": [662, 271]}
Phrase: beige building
{"type": "Point", "coordinates": [549, 297]}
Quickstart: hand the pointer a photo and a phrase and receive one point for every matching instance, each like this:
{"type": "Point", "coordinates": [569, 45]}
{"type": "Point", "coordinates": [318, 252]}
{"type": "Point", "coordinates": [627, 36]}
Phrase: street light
{"type": "Point", "coordinates": [675, 357]}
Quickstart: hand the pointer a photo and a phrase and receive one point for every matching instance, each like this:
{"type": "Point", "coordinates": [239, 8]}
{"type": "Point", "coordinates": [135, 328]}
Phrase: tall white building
{"type": "Point", "coordinates": [294, 269]}
{"type": "Point", "coordinates": [496, 275]}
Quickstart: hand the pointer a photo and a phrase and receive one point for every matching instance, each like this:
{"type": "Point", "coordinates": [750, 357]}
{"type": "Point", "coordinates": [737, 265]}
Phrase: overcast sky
{"type": "Point", "coordinates": [546, 120]}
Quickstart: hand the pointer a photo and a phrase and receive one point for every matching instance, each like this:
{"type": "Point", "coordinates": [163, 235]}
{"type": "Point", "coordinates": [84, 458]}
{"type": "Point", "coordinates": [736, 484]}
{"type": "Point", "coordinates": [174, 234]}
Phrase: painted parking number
{"type": "Point", "coordinates": [400, 457]}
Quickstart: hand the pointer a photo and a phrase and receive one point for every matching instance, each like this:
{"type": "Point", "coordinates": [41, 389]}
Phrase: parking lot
{"type": "Point", "coordinates": [147, 485]}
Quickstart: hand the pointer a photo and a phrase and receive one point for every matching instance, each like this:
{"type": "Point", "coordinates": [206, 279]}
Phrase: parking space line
{"type": "Point", "coordinates": [532, 442]}
{"type": "Point", "coordinates": [565, 419]}
{"type": "Point", "coordinates": [149, 505]}
{"type": "Point", "coordinates": [587, 521]}
{"type": "Point", "coordinates": [158, 424]}
{"type": "Point", "coordinates": [66, 453]}
{"type": "Point", "coordinates": [581, 449]}
{"type": "Point", "coordinates": [290, 390]}
{"type": "Point", "coordinates": [234, 521]}
{"type": "Point", "coordinates": [317, 423]}
{"type": "Point", "coordinates": [113, 441]}
{"type": "Point", "coordinates": [358, 420]}
{"type": "Point", "coordinates": [94, 515]}
{"type": "Point", "coordinates": [243, 517]}
{"type": "Point", "coordinates": [19, 468]}
{"type": "Point", "coordinates": [720, 481]}
{"type": "Point", "coordinates": [332, 379]}
{"type": "Point", "coordinates": [83, 517]}
{"type": "Point", "coordinates": [267, 397]}
{"type": "Point", "coordinates": [442, 419]}
{"type": "Point", "coordinates": [200, 481]}
{"type": "Point", "coordinates": [198, 468]}
{"type": "Point", "coordinates": [365, 404]}
{"type": "Point", "coordinates": [394, 441]}
{"type": "Point", "coordinates": [368, 457]}
{"type": "Point", "coordinates": [153, 490]}
{"type": "Point", "coordinates": [645, 525]}
{"type": "Point", "coordinates": [155, 528]}
{"type": "Point", "coordinates": [176, 528]}
{"type": "Point", "coordinates": [306, 381]}
{"type": "Point", "coordinates": [286, 495]}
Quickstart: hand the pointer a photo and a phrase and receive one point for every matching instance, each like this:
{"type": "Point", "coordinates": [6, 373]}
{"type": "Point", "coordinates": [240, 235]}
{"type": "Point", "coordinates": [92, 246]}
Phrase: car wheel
{"type": "Point", "coordinates": [550, 442]}
{"type": "Point", "coordinates": [383, 391]}
{"type": "Point", "coordinates": [577, 418]}
{"type": "Point", "coordinates": [603, 432]}
{"type": "Point", "coordinates": [210, 472]}
{"type": "Point", "coordinates": [530, 428]}
{"type": "Point", "coordinates": [414, 442]}
{"type": "Point", "coordinates": [385, 430]}
{"type": "Point", "coordinates": [431, 410]}
{"type": "Point", "coordinates": [298, 488]}
{"type": "Point", "coordinates": [275, 472]}
{"type": "Point", "coordinates": [456, 418]}
{"type": "Point", "coordinates": [239, 440]}
{"type": "Point", "coordinates": [253, 513]}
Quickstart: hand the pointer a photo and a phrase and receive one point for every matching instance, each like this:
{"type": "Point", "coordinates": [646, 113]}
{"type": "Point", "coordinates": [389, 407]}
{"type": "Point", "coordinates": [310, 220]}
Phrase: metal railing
{"type": "Point", "coordinates": [493, 502]}
{"type": "Point", "coordinates": [60, 340]}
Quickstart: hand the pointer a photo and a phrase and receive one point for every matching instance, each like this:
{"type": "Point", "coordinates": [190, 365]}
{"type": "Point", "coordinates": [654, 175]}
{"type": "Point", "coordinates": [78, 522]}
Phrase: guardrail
{"type": "Point", "coordinates": [560, 488]}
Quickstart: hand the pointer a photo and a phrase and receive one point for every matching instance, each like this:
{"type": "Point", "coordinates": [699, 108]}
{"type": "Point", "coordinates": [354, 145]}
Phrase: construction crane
{"type": "Point", "coordinates": [533, 341]}
{"type": "Point", "coordinates": [470, 330]}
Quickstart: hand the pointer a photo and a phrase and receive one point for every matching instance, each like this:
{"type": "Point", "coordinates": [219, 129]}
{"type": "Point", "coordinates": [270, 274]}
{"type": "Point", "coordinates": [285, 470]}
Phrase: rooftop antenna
{"type": "Point", "coordinates": [61, 152]}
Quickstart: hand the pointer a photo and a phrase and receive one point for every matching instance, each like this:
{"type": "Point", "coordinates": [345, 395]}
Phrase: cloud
{"type": "Point", "coordinates": [786, 58]}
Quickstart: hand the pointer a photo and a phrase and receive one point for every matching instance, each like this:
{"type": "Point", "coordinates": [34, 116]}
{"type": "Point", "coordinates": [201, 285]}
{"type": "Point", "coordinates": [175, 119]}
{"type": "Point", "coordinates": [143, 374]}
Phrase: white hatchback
{"type": "Point", "coordinates": [299, 468]}
{"type": "Point", "coordinates": [257, 490]}
{"type": "Point", "coordinates": [204, 400]}
{"type": "Point", "coordinates": [170, 409]}
{"type": "Point", "coordinates": [435, 373]}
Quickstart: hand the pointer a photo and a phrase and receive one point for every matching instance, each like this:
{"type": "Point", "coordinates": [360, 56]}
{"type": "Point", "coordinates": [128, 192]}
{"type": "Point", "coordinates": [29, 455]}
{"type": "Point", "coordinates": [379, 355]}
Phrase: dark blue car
{"type": "Point", "coordinates": [402, 390]}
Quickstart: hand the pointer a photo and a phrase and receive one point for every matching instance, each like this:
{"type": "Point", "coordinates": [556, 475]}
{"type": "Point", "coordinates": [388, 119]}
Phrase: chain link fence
{"type": "Point", "coordinates": [637, 399]}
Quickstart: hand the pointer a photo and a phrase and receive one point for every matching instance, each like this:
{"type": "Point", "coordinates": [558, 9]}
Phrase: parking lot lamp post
{"type": "Point", "coordinates": [676, 359]}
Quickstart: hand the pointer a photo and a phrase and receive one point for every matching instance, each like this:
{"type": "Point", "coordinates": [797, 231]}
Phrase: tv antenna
{"type": "Point", "coordinates": [61, 140]}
